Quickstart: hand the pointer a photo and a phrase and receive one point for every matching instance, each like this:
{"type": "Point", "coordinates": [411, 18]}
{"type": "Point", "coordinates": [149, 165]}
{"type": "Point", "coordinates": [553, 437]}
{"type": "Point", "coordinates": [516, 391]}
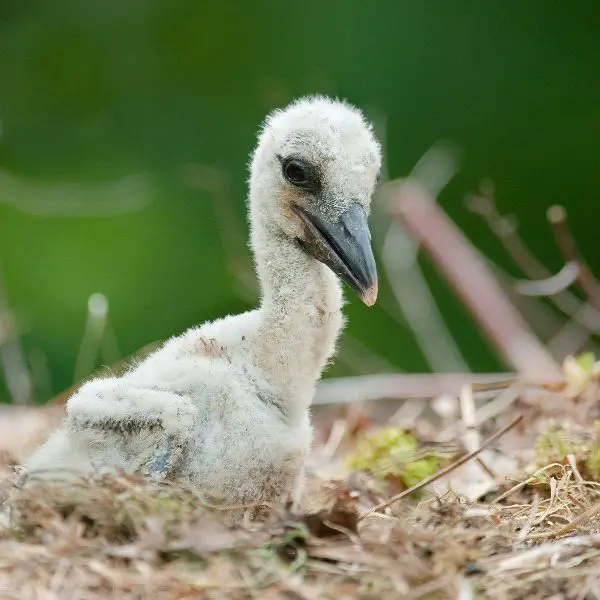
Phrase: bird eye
{"type": "Point", "coordinates": [298, 173]}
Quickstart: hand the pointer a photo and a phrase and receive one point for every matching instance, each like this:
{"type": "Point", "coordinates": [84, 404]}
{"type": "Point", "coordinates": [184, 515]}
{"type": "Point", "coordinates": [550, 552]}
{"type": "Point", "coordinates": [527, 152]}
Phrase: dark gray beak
{"type": "Point", "coordinates": [344, 246]}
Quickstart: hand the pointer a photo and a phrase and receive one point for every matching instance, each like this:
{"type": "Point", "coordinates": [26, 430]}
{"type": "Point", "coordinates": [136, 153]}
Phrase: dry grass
{"type": "Point", "coordinates": [535, 535]}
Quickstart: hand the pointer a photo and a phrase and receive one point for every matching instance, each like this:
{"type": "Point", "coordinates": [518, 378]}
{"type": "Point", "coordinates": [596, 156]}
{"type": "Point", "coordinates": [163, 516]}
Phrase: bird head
{"type": "Point", "coordinates": [314, 172]}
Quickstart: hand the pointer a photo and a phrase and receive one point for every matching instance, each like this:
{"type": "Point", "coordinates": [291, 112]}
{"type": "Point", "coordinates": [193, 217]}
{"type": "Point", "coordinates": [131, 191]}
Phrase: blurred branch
{"type": "Point", "coordinates": [16, 373]}
{"type": "Point", "coordinates": [468, 274]}
{"type": "Point", "coordinates": [506, 231]}
{"type": "Point", "coordinates": [561, 337]}
{"type": "Point", "coordinates": [541, 317]}
{"type": "Point", "coordinates": [94, 341]}
{"type": "Point", "coordinates": [411, 290]}
{"type": "Point", "coordinates": [412, 293]}
{"type": "Point", "coordinates": [557, 216]}
{"type": "Point", "coordinates": [555, 284]}
{"type": "Point", "coordinates": [399, 386]}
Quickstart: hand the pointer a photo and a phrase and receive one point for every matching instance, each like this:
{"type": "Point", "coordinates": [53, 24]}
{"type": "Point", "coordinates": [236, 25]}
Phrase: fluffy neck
{"type": "Point", "coordinates": [300, 313]}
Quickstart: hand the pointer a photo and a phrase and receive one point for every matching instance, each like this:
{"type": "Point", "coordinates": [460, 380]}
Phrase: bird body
{"type": "Point", "coordinates": [226, 404]}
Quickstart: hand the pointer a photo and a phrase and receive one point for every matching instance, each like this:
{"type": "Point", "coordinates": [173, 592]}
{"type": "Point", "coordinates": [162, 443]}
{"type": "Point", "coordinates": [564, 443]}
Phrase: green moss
{"type": "Point", "coordinates": [557, 443]}
{"type": "Point", "coordinates": [586, 361]}
{"type": "Point", "coordinates": [392, 451]}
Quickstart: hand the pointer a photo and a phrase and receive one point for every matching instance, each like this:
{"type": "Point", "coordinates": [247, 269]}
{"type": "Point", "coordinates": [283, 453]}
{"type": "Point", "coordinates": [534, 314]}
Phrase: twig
{"type": "Point", "coordinates": [403, 386]}
{"type": "Point", "coordinates": [528, 558]}
{"type": "Point", "coordinates": [16, 372]}
{"type": "Point", "coordinates": [557, 216]}
{"type": "Point", "coordinates": [560, 338]}
{"type": "Point", "coordinates": [457, 463]}
{"type": "Point", "coordinates": [550, 286]}
{"type": "Point", "coordinates": [415, 300]}
{"type": "Point", "coordinates": [530, 519]}
{"type": "Point", "coordinates": [472, 438]}
{"type": "Point", "coordinates": [338, 431]}
{"type": "Point", "coordinates": [93, 335]}
{"type": "Point", "coordinates": [505, 229]}
{"type": "Point", "coordinates": [519, 486]}
{"type": "Point", "coordinates": [543, 319]}
{"type": "Point", "coordinates": [532, 267]}
{"type": "Point", "coordinates": [472, 281]}
{"type": "Point", "coordinates": [497, 406]}
{"type": "Point", "coordinates": [584, 517]}
{"type": "Point", "coordinates": [399, 257]}
{"type": "Point", "coordinates": [555, 488]}
{"type": "Point", "coordinates": [578, 478]}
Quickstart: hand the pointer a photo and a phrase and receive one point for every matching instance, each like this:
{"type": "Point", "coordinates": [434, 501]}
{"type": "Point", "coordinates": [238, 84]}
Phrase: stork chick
{"type": "Point", "coordinates": [226, 404]}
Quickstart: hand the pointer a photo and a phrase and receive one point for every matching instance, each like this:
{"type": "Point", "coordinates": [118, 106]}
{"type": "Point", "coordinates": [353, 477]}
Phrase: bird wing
{"type": "Point", "coordinates": [151, 426]}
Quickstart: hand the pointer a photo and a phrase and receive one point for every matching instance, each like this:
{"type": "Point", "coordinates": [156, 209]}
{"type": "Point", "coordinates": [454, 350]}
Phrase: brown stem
{"type": "Point", "coordinates": [584, 314]}
{"type": "Point", "coordinates": [404, 386]}
{"type": "Point", "coordinates": [557, 216]}
{"type": "Point", "coordinates": [467, 273]}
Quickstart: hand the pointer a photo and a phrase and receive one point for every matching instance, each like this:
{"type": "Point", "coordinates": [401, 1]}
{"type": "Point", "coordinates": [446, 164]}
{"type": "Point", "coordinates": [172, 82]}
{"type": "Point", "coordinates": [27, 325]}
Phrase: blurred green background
{"type": "Point", "coordinates": [126, 128]}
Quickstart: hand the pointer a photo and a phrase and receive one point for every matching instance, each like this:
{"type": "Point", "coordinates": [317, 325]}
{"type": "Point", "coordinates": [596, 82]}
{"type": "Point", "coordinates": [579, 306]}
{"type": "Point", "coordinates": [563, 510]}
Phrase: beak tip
{"type": "Point", "coordinates": [369, 297]}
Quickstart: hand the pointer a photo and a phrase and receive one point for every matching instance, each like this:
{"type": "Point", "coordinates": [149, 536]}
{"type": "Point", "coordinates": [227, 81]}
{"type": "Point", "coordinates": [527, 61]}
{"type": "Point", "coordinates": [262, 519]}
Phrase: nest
{"type": "Point", "coordinates": [532, 535]}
